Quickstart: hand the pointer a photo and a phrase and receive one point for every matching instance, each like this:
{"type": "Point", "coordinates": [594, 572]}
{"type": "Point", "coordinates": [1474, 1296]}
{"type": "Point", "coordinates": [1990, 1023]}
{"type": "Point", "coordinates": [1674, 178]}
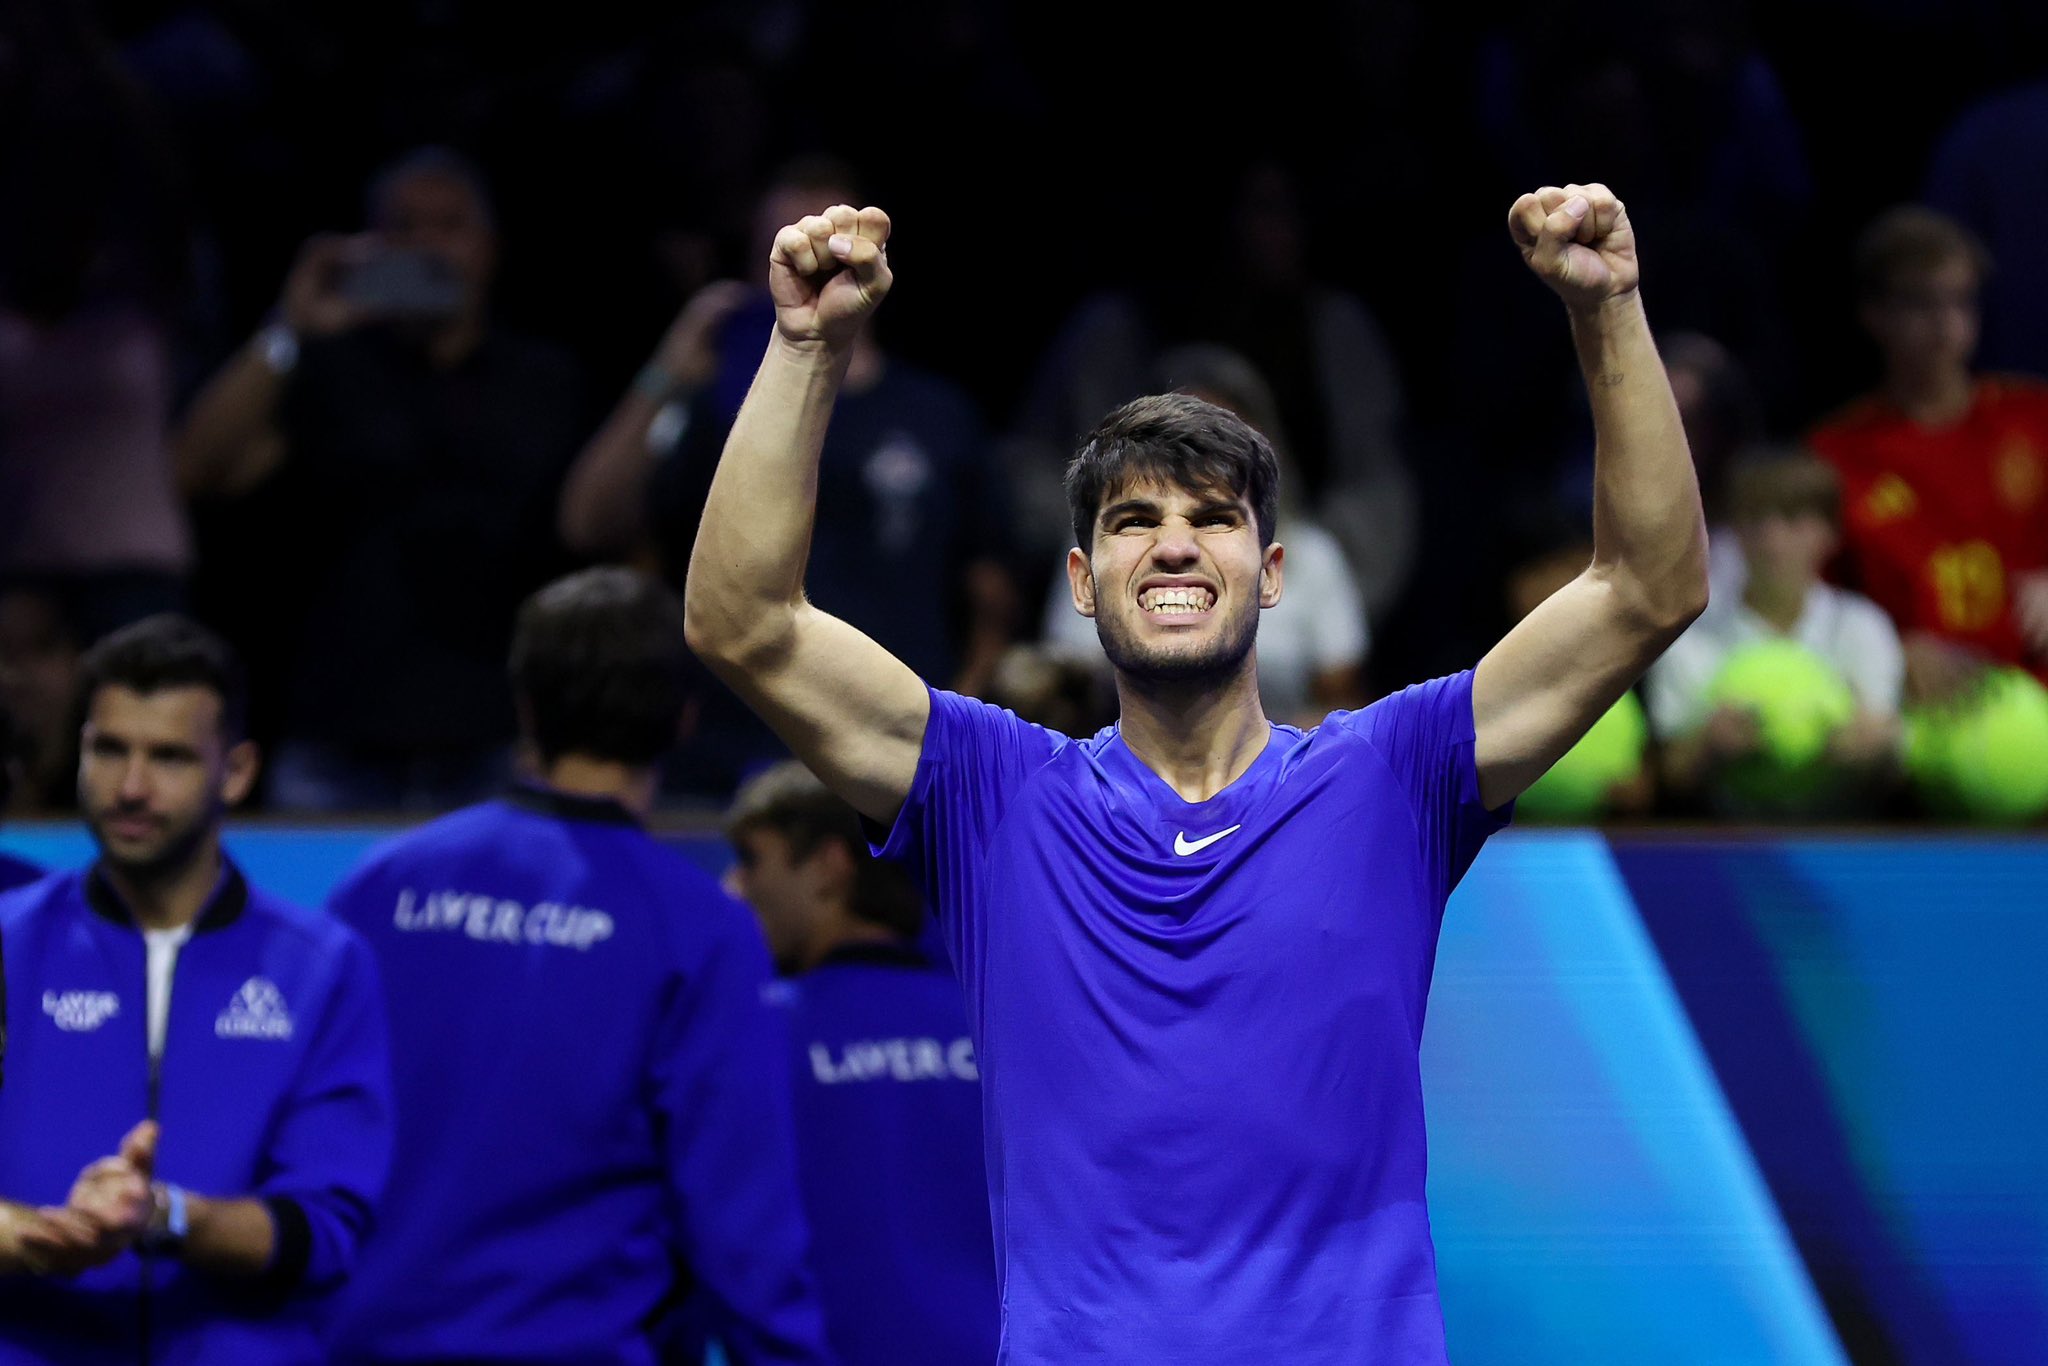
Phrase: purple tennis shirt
{"type": "Point", "coordinates": [1198, 1026]}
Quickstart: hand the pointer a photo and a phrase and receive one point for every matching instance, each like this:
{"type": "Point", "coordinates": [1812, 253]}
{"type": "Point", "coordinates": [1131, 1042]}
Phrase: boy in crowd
{"type": "Point", "coordinates": [888, 1096]}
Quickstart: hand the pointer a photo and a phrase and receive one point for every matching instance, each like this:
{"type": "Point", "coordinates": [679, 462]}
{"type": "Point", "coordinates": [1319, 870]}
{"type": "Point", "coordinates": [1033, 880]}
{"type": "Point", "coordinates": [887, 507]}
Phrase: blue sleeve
{"type": "Point", "coordinates": [974, 759]}
{"type": "Point", "coordinates": [721, 1079]}
{"type": "Point", "coordinates": [331, 1148]}
{"type": "Point", "coordinates": [1425, 735]}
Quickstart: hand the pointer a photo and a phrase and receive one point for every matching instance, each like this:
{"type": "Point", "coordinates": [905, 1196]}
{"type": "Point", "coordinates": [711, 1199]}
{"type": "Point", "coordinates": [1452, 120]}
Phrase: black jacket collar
{"type": "Point", "coordinates": [570, 806]}
{"type": "Point", "coordinates": [222, 909]}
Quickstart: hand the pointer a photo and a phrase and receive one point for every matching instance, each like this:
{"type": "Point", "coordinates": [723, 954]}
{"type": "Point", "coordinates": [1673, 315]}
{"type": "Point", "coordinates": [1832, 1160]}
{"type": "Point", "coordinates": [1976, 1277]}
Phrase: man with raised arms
{"type": "Point", "coordinates": [1196, 947]}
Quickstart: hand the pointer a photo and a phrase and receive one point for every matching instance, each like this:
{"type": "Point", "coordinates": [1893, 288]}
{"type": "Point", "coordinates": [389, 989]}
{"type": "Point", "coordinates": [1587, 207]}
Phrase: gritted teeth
{"type": "Point", "coordinates": [1176, 600]}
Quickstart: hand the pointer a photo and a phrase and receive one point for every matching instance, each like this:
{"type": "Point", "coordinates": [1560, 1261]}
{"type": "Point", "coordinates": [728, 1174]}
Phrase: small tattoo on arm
{"type": "Point", "coordinates": [1609, 379]}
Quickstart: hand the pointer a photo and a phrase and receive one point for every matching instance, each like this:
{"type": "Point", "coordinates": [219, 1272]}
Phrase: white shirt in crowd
{"type": "Point", "coordinates": [1846, 629]}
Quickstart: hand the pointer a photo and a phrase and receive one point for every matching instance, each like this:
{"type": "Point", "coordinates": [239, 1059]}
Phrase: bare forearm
{"type": "Point", "coordinates": [229, 1237]}
{"type": "Point", "coordinates": [604, 499]}
{"type": "Point", "coordinates": [1649, 533]}
{"type": "Point", "coordinates": [748, 563]}
{"type": "Point", "coordinates": [230, 440]}
{"type": "Point", "coordinates": [14, 1220]}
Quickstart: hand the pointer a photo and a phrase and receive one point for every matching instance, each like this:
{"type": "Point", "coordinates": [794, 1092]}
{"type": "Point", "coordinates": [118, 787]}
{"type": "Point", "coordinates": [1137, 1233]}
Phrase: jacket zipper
{"type": "Point", "coordinates": [156, 1086]}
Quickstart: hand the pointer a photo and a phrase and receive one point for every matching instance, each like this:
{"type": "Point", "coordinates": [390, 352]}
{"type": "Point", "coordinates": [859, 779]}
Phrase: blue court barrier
{"type": "Point", "coordinates": [1719, 1099]}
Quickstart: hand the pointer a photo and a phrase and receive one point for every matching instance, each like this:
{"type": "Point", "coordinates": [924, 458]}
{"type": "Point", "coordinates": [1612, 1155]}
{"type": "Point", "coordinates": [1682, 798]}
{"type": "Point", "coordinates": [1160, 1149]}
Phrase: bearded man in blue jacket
{"type": "Point", "coordinates": [197, 1116]}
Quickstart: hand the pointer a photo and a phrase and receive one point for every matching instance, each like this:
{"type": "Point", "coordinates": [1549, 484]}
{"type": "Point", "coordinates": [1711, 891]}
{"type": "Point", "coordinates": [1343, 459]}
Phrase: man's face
{"type": "Point", "coordinates": [1786, 549]}
{"type": "Point", "coordinates": [1175, 581]}
{"type": "Point", "coordinates": [1928, 320]}
{"type": "Point", "coordinates": [781, 890]}
{"type": "Point", "coordinates": [155, 772]}
{"type": "Point", "coordinates": [439, 214]}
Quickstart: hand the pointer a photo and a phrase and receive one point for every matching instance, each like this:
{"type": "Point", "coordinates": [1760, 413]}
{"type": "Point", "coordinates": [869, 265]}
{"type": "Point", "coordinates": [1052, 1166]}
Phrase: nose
{"type": "Point", "coordinates": [135, 781]}
{"type": "Point", "coordinates": [1174, 546]}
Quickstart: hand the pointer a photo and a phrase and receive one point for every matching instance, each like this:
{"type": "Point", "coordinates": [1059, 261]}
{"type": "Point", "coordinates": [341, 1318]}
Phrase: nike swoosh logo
{"type": "Point", "coordinates": [1183, 846]}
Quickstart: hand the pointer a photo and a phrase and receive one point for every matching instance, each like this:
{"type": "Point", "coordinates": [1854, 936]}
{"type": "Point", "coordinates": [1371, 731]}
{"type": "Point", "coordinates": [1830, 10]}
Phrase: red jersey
{"type": "Point", "coordinates": [1937, 521]}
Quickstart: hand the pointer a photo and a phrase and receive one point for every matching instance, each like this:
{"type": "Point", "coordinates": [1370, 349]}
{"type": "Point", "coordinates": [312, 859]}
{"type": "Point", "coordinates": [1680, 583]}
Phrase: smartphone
{"type": "Point", "coordinates": [404, 283]}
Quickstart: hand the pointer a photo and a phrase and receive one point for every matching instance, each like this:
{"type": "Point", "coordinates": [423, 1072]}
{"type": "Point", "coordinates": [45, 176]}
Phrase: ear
{"type": "Point", "coordinates": [1081, 582]}
{"type": "Point", "coordinates": [1270, 575]}
{"type": "Point", "coordinates": [243, 762]}
{"type": "Point", "coordinates": [831, 864]}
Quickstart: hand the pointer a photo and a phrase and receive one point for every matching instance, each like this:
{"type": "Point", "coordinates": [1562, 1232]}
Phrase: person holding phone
{"type": "Point", "coordinates": [384, 407]}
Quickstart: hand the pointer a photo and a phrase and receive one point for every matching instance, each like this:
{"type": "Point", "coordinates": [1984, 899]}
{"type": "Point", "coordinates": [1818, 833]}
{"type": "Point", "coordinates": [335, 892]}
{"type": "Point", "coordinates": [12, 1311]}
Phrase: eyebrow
{"type": "Point", "coordinates": [1118, 509]}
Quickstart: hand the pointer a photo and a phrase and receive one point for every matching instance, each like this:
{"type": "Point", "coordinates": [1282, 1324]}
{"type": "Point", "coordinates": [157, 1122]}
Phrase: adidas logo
{"type": "Point", "coordinates": [256, 1012]}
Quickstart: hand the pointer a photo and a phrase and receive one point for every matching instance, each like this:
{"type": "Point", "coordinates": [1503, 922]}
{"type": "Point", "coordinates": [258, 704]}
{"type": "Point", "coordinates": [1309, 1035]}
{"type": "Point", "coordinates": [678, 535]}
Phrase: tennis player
{"type": "Point", "coordinates": [1197, 946]}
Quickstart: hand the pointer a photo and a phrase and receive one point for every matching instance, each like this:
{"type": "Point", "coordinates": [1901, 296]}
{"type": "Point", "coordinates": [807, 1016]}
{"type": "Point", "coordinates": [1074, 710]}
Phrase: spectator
{"type": "Point", "coordinates": [888, 1098]}
{"type": "Point", "coordinates": [95, 259]}
{"type": "Point", "coordinates": [1786, 512]}
{"type": "Point", "coordinates": [1971, 180]}
{"type": "Point", "coordinates": [1944, 472]}
{"type": "Point", "coordinates": [217, 1226]}
{"type": "Point", "coordinates": [910, 539]}
{"type": "Point", "coordinates": [1722, 417]}
{"type": "Point", "coordinates": [1332, 377]}
{"type": "Point", "coordinates": [596, 1112]}
{"type": "Point", "coordinates": [420, 448]}
{"type": "Point", "coordinates": [1312, 647]}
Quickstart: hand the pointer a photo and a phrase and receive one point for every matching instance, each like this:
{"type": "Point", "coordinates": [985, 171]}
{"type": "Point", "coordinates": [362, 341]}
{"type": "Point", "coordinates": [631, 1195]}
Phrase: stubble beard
{"type": "Point", "coordinates": [174, 851]}
{"type": "Point", "coordinates": [1215, 665]}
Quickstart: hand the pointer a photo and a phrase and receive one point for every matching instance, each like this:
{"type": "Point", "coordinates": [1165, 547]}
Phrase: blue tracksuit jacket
{"type": "Point", "coordinates": [274, 1083]}
{"type": "Point", "coordinates": [593, 1098]}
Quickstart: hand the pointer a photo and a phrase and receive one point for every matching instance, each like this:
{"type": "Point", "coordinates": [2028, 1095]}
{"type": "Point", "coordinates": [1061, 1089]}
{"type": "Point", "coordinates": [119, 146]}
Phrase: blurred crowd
{"type": "Point", "coordinates": [342, 329]}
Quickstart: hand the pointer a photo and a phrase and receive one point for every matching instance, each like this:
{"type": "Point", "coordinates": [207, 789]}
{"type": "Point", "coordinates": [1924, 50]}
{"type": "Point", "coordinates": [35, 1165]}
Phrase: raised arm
{"type": "Point", "coordinates": [1566, 663]}
{"type": "Point", "coordinates": [850, 710]}
{"type": "Point", "coordinates": [604, 497]}
{"type": "Point", "coordinates": [230, 440]}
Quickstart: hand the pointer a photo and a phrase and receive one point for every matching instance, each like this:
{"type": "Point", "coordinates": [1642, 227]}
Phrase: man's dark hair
{"type": "Point", "coordinates": [168, 651]}
{"type": "Point", "coordinates": [1788, 482]}
{"type": "Point", "coordinates": [1176, 439]}
{"type": "Point", "coordinates": [1908, 241]}
{"type": "Point", "coordinates": [789, 800]}
{"type": "Point", "coordinates": [440, 163]}
{"type": "Point", "coordinates": [599, 663]}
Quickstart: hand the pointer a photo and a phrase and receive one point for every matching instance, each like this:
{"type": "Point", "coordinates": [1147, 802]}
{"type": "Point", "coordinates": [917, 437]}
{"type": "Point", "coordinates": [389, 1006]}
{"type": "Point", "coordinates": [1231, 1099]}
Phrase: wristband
{"type": "Point", "coordinates": [655, 384]}
{"type": "Point", "coordinates": [171, 1221]}
{"type": "Point", "coordinates": [279, 347]}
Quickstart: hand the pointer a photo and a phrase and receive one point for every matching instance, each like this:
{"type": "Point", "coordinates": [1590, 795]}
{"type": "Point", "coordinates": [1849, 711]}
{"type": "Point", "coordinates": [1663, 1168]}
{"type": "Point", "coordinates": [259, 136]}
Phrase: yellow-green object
{"type": "Point", "coordinates": [1986, 759]}
{"type": "Point", "coordinates": [1799, 702]}
{"type": "Point", "coordinates": [1577, 786]}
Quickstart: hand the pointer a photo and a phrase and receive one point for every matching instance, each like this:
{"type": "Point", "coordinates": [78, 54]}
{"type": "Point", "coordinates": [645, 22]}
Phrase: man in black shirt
{"type": "Point", "coordinates": [405, 453]}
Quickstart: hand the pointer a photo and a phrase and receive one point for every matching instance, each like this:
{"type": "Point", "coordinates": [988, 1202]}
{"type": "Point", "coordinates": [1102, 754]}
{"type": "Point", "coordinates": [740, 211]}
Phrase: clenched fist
{"type": "Point", "coordinates": [1578, 241]}
{"type": "Point", "coordinates": [827, 272]}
